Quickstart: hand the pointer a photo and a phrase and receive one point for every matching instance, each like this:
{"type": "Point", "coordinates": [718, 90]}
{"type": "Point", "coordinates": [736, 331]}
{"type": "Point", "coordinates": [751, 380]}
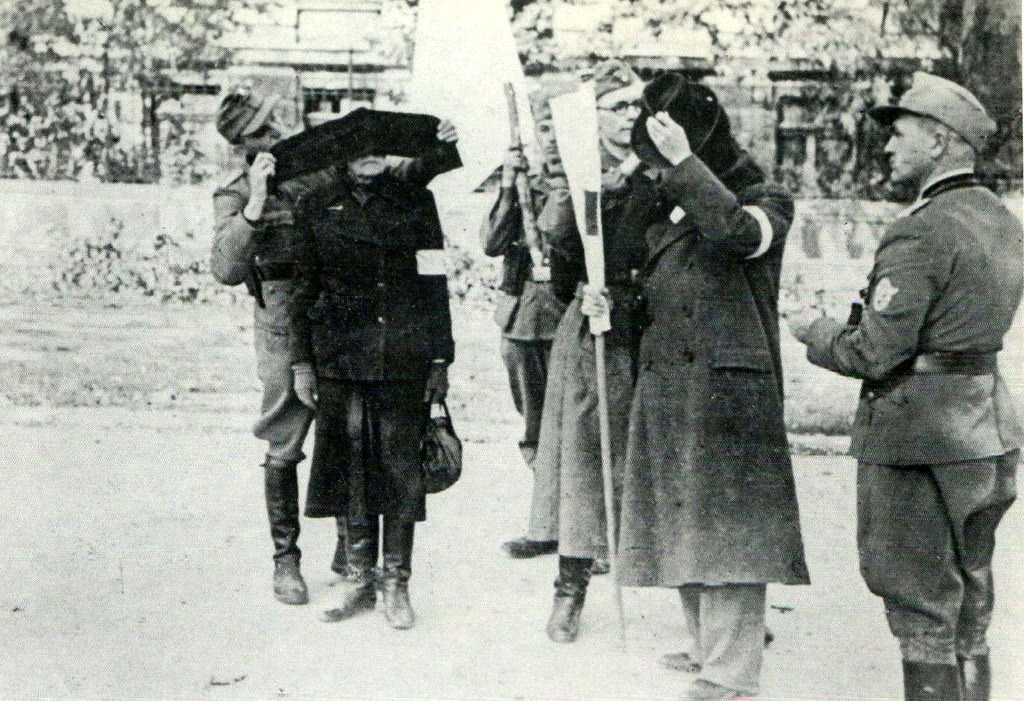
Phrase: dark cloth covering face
{"type": "Point", "coordinates": [359, 133]}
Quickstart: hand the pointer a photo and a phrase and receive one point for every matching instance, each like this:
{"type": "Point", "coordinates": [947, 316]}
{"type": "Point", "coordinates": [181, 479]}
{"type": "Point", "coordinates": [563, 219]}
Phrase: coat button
{"type": "Point", "coordinates": [687, 311]}
{"type": "Point", "coordinates": [380, 285]}
{"type": "Point", "coordinates": [688, 355]}
{"type": "Point", "coordinates": [380, 320]}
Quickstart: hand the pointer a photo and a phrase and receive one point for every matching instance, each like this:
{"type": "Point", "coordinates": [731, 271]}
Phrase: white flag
{"type": "Point", "coordinates": [465, 53]}
{"type": "Point", "coordinates": [575, 119]}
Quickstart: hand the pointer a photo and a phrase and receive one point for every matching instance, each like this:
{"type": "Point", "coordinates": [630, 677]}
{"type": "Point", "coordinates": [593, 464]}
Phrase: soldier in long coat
{"type": "Point", "coordinates": [709, 504]}
{"type": "Point", "coordinates": [254, 242]}
{"type": "Point", "coordinates": [569, 456]}
{"type": "Point", "coordinates": [936, 435]}
{"type": "Point", "coordinates": [371, 341]}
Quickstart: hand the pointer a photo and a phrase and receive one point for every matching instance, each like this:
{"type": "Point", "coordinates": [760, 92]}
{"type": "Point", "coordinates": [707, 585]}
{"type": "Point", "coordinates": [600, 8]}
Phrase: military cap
{"type": "Point", "coordinates": [696, 108]}
{"type": "Point", "coordinates": [361, 132]}
{"type": "Point", "coordinates": [612, 75]}
{"type": "Point", "coordinates": [242, 112]}
{"type": "Point", "coordinates": [945, 102]}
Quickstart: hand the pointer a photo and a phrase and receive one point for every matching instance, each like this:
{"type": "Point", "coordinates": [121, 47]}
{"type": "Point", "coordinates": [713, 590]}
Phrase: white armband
{"type": "Point", "coordinates": [766, 229]}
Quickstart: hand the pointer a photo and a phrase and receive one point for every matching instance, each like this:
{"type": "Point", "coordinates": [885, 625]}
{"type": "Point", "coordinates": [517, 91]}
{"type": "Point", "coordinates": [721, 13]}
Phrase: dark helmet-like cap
{"type": "Point", "coordinates": [696, 108]}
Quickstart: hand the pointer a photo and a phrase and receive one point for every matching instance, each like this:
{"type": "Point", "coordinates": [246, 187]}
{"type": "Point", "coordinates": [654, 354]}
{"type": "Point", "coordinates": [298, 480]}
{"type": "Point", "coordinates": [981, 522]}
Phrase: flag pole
{"type": "Point", "coordinates": [606, 474]}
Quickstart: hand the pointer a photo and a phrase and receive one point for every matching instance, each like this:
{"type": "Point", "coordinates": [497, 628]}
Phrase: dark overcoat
{"type": "Point", "coordinates": [371, 314]}
{"type": "Point", "coordinates": [371, 303]}
{"type": "Point", "coordinates": [709, 495]}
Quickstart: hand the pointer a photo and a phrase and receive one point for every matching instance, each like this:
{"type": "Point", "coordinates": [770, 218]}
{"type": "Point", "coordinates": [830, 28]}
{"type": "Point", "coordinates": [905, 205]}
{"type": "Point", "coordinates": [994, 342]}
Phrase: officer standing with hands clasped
{"type": "Point", "coordinates": [935, 434]}
{"type": "Point", "coordinates": [254, 243]}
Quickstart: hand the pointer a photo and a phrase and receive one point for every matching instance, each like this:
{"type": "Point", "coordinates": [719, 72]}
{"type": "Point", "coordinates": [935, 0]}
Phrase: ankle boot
{"type": "Point", "coordinates": [361, 595]}
{"type": "Point", "coordinates": [570, 593]}
{"type": "Point", "coordinates": [976, 677]}
{"type": "Point", "coordinates": [340, 562]}
{"type": "Point", "coordinates": [923, 681]}
{"type": "Point", "coordinates": [281, 487]}
{"type": "Point", "coordinates": [396, 570]}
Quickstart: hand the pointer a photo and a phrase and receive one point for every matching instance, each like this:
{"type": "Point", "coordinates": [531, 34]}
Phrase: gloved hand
{"type": "Point", "coordinates": [437, 383]}
{"type": "Point", "coordinates": [304, 382]}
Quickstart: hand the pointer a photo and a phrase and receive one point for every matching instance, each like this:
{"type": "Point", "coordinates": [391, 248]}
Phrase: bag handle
{"type": "Point", "coordinates": [447, 414]}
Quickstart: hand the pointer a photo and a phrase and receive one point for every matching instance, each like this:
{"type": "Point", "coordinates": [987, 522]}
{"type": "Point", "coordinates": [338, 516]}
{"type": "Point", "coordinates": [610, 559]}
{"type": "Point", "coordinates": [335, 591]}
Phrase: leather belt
{"type": "Point", "coordinates": [954, 364]}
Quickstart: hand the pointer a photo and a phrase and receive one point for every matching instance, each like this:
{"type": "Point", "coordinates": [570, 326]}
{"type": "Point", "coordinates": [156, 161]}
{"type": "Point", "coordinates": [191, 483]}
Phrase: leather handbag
{"type": "Point", "coordinates": [440, 453]}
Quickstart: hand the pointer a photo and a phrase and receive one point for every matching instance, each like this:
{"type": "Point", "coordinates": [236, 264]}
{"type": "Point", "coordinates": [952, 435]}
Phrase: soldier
{"type": "Point", "coordinates": [935, 434]}
{"type": "Point", "coordinates": [528, 311]}
{"type": "Point", "coordinates": [254, 243]}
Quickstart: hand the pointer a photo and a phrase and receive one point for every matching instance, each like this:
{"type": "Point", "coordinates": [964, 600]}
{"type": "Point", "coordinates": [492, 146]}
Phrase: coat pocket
{"type": "Point", "coordinates": [741, 358]}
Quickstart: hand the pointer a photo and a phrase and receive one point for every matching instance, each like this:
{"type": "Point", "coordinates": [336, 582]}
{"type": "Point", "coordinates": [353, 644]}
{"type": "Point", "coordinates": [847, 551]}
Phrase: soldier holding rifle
{"type": "Point", "coordinates": [528, 311]}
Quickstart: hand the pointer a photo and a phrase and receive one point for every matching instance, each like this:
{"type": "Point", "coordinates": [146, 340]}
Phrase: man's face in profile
{"type": "Point", "coordinates": [367, 167]}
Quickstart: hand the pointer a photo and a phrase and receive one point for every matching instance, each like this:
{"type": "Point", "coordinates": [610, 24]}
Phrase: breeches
{"type": "Point", "coordinates": [926, 536]}
{"type": "Point", "coordinates": [284, 421]}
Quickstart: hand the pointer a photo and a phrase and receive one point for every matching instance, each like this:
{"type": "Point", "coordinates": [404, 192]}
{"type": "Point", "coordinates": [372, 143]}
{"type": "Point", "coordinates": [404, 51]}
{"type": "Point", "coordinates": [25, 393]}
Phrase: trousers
{"type": "Point", "coordinates": [926, 536]}
{"type": "Point", "coordinates": [527, 366]}
{"type": "Point", "coordinates": [727, 623]}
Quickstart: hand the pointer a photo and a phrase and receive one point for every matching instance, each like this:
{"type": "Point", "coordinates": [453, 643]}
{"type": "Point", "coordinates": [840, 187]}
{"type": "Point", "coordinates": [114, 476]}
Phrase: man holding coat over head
{"type": "Point", "coordinates": [709, 504]}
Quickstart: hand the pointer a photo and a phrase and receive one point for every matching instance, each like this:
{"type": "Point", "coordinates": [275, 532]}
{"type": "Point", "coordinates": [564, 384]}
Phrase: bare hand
{"type": "Point", "coordinates": [515, 163]}
{"type": "Point", "coordinates": [447, 132]}
{"type": "Point", "coordinates": [595, 302]}
{"type": "Point", "coordinates": [262, 168]}
{"type": "Point", "coordinates": [437, 384]}
{"type": "Point", "coordinates": [304, 383]}
{"type": "Point", "coordinates": [669, 138]}
{"type": "Point", "coordinates": [800, 320]}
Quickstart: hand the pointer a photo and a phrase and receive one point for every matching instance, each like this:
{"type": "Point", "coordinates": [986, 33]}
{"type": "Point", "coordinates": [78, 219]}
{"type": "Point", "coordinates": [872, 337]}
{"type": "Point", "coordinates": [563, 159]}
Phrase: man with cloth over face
{"type": "Point", "coordinates": [370, 344]}
{"type": "Point", "coordinates": [936, 436]}
{"type": "Point", "coordinates": [254, 243]}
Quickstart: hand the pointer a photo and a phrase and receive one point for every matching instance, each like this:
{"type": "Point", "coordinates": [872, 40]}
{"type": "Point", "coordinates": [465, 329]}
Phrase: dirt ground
{"type": "Point", "coordinates": [138, 559]}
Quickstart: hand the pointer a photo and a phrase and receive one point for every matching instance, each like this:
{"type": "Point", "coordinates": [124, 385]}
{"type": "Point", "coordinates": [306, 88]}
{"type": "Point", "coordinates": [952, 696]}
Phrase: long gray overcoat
{"type": "Point", "coordinates": [708, 493]}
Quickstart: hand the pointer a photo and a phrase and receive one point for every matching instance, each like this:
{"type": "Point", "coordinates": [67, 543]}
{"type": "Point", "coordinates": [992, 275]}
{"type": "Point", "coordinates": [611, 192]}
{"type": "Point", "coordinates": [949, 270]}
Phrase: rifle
{"type": "Point", "coordinates": [541, 271]}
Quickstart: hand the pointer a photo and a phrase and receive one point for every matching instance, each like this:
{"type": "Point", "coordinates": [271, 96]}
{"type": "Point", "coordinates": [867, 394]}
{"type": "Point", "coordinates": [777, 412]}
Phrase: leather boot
{"type": "Point", "coordinates": [976, 677]}
{"type": "Point", "coordinates": [361, 595]}
{"type": "Point", "coordinates": [923, 681]}
{"type": "Point", "coordinates": [340, 562]}
{"type": "Point", "coordinates": [281, 486]}
{"type": "Point", "coordinates": [570, 593]}
{"type": "Point", "coordinates": [396, 570]}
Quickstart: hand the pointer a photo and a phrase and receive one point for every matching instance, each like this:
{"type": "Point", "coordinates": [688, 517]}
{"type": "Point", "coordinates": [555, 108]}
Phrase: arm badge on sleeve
{"type": "Point", "coordinates": [883, 295]}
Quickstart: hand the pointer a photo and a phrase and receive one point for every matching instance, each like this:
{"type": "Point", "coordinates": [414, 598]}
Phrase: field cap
{"type": "Point", "coordinates": [945, 102]}
{"type": "Point", "coordinates": [242, 112]}
{"type": "Point", "coordinates": [613, 75]}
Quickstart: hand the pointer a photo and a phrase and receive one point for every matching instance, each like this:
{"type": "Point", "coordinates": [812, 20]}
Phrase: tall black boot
{"type": "Point", "coordinates": [361, 595]}
{"type": "Point", "coordinates": [281, 486]}
{"type": "Point", "coordinates": [340, 562]}
{"type": "Point", "coordinates": [570, 593]}
{"type": "Point", "coordinates": [976, 677]}
{"type": "Point", "coordinates": [398, 537]}
{"type": "Point", "coordinates": [923, 681]}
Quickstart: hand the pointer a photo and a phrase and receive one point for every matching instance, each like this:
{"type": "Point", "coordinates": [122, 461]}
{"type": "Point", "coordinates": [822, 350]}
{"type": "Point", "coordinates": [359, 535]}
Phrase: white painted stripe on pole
{"type": "Point", "coordinates": [766, 229]}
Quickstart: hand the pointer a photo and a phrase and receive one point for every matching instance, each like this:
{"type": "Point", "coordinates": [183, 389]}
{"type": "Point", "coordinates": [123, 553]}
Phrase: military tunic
{"type": "Point", "coordinates": [527, 310]}
{"type": "Point", "coordinates": [937, 441]}
{"type": "Point", "coordinates": [237, 248]}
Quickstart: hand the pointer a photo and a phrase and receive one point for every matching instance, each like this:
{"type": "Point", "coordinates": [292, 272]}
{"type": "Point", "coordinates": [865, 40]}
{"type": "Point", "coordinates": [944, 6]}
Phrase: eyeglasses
{"type": "Point", "coordinates": [622, 108]}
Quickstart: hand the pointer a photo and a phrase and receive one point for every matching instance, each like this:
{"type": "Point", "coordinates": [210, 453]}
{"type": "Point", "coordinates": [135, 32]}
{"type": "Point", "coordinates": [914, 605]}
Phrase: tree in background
{"type": "Point", "coordinates": [61, 70]}
{"type": "Point", "coordinates": [860, 53]}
